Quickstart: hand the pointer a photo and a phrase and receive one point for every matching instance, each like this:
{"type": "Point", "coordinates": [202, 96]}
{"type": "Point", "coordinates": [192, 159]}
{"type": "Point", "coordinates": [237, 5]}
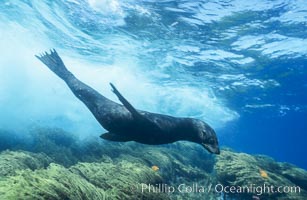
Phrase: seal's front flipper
{"type": "Point", "coordinates": [54, 62]}
{"type": "Point", "coordinates": [114, 137]}
{"type": "Point", "coordinates": [124, 101]}
{"type": "Point", "coordinates": [136, 115]}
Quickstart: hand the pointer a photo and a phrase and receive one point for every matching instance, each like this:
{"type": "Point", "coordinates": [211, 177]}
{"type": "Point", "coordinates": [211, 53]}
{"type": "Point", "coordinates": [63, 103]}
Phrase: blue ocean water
{"type": "Point", "coordinates": [238, 65]}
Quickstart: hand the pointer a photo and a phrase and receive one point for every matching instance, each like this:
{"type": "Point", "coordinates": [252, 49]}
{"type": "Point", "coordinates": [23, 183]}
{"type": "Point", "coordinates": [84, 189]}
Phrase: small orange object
{"type": "Point", "coordinates": [263, 173]}
{"type": "Point", "coordinates": [155, 168]}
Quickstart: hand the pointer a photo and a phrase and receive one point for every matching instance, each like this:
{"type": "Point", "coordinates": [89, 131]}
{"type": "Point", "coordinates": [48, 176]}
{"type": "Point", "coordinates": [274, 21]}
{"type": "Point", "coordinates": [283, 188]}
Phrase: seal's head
{"type": "Point", "coordinates": [206, 136]}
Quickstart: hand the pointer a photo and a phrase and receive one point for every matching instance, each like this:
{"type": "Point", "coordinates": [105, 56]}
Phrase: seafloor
{"type": "Point", "coordinates": [53, 164]}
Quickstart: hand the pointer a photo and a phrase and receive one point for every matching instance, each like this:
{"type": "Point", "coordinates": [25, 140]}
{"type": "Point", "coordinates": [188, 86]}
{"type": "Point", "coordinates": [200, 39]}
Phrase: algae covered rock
{"type": "Point", "coordinates": [96, 169]}
{"type": "Point", "coordinates": [122, 180]}
{"type": "Point", "coordinates": [84, 181]}
{"type": "Point", "coordinates": [55, 182]}
{"type": "Point", "coordinates": [181, 160]}
{"type": "Point", "coordinates": [12, 161]}
{"type": "Point", "coordinates": [179, 164]}
{"type": "Point", "coordinates": [259, 176]}
{"type": "Point", "coordinates": [295, 175]}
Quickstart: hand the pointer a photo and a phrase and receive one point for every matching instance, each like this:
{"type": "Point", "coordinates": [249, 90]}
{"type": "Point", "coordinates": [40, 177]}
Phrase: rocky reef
{"type": "Point", "coordinates": [261, 176]}
{"type": "Point", "coordinates": [53, 164]}
{"type": "Point", "coordinates": [105, 180]}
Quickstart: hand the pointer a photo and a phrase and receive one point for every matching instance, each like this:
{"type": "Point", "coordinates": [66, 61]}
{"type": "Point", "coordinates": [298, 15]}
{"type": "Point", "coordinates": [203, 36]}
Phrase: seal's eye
{"type": "Point", "coordinates": [203, 134]}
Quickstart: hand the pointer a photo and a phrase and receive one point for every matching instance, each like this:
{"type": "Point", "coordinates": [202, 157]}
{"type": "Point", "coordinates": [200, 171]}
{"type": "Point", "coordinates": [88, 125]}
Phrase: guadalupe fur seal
{"type": "Point", "coordinates": [124, 122]}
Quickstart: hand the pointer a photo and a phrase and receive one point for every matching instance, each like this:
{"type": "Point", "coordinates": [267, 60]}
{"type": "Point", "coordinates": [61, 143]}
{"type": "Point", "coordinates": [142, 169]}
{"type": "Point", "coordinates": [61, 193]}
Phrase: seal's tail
{"type": "Point", "coordinates": [53, 61]}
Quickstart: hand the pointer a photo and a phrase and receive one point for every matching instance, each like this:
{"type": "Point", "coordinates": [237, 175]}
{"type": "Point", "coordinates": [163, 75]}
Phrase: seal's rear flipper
{"type": "Point", "coordinates": [114, 137]}
{"type": "Point", "coordinates": [54, 62]}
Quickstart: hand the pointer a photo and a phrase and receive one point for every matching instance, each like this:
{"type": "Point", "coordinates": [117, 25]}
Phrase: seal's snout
{"type": "Point", "coordinates": [209, 139]}
{"type": "Point", "coordinates": [218, 151]}
{"type": "Point", "coordinates": [211, 148]}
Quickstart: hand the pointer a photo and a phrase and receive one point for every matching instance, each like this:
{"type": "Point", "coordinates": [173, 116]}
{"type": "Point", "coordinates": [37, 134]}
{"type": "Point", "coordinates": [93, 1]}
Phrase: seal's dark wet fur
{"type": "Point", "coordinates": [125, 123]}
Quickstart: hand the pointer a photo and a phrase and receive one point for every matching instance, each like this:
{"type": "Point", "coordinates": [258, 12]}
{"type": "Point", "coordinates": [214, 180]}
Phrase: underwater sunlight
{"type": "Point", "coordinates": [240, 66]}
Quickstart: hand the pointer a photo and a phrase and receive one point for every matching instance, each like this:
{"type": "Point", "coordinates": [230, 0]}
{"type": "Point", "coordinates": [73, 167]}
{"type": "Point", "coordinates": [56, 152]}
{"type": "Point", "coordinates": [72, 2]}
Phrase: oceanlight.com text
{"type": "Point", "coordinates": [256, 189]}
